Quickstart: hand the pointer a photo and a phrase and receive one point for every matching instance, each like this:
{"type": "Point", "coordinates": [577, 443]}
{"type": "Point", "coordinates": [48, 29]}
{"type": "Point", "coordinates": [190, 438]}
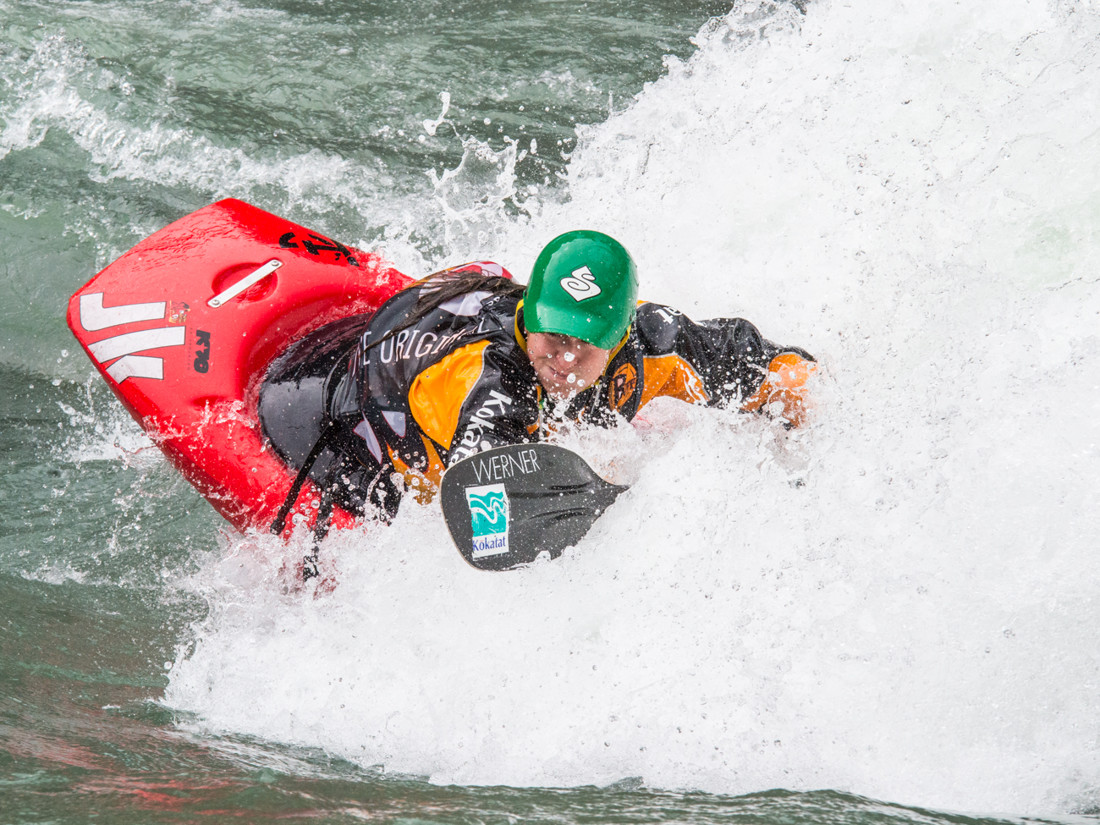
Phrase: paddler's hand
{"type": "Point", "coordinates": [784, 393]}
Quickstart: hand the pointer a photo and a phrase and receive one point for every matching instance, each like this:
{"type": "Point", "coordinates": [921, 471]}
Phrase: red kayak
{"type": "Point", "coordinates": [186, 326]}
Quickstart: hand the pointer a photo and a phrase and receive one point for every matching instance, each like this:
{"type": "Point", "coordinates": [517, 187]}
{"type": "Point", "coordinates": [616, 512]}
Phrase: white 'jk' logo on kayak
{"type": "Point", "coordinates": [581, 284]}
{"type": "Point", "coordinates": [94, 316]}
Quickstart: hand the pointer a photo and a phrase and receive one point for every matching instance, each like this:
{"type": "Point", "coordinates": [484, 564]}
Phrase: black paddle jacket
{"type": "Point", "coordinates": [458, 381]}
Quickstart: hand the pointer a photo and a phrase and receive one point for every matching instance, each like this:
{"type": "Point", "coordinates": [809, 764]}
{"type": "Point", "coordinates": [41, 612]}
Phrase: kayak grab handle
{"type": "Point", "coordinates": [244, 283]}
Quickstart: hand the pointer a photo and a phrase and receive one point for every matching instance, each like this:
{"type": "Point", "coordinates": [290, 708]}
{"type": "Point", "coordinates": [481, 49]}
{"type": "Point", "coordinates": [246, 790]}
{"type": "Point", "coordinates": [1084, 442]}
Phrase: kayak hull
{"type": "Point", "coordinates": [185, 326]}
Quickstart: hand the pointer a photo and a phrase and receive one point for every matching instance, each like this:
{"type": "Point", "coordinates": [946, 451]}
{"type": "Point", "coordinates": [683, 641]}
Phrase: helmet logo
{"type": "Point", "coordinates": [581, 284]}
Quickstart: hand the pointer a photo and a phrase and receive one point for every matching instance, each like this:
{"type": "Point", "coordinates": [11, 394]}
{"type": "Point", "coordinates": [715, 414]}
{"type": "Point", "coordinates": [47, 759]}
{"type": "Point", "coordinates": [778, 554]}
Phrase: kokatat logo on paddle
{"type": "Point", "coordinates": [489, 519]}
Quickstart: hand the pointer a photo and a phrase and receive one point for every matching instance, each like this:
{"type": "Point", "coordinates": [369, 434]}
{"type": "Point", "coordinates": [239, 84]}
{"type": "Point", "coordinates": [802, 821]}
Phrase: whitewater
{"type": "Point", "coordinates": [898, 600]}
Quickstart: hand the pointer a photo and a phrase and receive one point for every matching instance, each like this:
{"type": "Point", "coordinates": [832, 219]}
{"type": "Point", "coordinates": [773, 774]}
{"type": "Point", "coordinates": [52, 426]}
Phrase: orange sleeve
{"type": "Point", "coordinates": [438, 393]}
{"type": "Point", "coordinates": [424, 483]}
{"type": "Point", "coordinates": [673, 376]}
{"type": "Point", "coordinates": [784, 384]}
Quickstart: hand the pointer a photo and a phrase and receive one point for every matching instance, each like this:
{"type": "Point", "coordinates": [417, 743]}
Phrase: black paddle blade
{"type": "Point", "coordinates": [505, 506]}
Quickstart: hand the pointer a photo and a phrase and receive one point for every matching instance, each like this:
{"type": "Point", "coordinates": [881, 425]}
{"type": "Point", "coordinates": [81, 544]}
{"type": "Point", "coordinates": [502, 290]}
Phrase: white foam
{"type": "Point", "coordinates": [51, 96]}
{"type": "Point", "coordinates": [900, 600]}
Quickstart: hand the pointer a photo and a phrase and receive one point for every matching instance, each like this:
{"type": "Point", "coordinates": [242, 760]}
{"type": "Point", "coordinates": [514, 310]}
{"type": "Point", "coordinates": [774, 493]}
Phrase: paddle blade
{"type": "Point", "coordinates": [506, 505]}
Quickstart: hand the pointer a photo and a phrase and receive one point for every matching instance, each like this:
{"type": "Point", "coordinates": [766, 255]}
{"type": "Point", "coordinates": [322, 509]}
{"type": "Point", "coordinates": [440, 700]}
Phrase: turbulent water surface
{"type": "Point", "coordinates": [888, 616]}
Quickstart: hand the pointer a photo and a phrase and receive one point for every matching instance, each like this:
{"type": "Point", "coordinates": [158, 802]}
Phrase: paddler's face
{"type": "Point", "coordinates": [565, 365]}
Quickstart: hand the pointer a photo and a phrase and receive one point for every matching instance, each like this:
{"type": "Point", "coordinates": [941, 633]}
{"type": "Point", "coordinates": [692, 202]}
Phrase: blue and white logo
{"type": "Point", "coordinates": [489, 519]}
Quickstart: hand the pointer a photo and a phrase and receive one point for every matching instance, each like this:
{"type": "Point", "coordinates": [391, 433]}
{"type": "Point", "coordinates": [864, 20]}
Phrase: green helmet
{"type": "Point", "coordinates": [584, 284]}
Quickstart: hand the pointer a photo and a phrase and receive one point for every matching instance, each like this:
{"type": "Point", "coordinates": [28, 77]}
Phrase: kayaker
{"type": "Point", "coordinates": [467, 359]}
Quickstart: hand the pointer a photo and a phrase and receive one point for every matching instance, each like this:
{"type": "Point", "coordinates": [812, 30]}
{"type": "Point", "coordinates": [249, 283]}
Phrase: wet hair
{"type": "Point", "coordinates": [441, 287]}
